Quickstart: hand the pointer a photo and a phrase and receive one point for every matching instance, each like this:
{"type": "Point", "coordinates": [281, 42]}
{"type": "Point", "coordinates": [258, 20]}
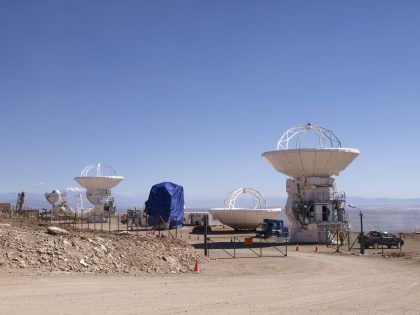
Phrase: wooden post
{"type": "Point", "coordinates": [206, 223]}
{"type": "Point", "coordinates": [338, 248]}
{"type": "Point", "coordinates": [109, 222]}
{"type": "Point", "coordinates": [362, 236]}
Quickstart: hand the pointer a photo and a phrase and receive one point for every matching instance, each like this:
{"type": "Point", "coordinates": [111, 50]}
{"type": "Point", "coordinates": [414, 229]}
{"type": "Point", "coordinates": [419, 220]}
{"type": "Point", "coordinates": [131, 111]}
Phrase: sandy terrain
{"type": "Point", "coordinates": [303, 282]}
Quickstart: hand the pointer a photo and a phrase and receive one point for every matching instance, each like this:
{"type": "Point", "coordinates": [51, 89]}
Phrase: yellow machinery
{"type": "Point", "coordinates": [132, 217]}
{"type": "Point", "coordinates": [124, 218]}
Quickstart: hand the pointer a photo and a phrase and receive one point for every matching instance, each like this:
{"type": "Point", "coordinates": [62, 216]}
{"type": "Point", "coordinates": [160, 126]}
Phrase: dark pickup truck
{"type": "Point", "coordinates": [375, 239]}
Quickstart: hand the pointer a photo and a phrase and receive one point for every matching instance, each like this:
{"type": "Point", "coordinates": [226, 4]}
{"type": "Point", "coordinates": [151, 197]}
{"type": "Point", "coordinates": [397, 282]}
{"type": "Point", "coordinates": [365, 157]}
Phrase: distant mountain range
{"type": "Point", "coordinates": [37, 200]}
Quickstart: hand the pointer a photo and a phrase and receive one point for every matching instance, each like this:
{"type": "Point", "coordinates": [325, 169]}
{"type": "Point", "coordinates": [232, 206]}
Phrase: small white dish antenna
{"type": "Point", "coordinates": [98, 179]}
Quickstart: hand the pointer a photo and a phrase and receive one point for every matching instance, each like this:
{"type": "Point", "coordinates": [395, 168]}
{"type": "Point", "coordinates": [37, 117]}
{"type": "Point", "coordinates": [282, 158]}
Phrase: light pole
{"type": "Point", "coordinates": [361, 235]}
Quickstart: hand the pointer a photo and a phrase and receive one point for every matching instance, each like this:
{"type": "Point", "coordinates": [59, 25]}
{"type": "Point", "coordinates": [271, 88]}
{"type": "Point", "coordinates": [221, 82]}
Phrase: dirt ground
{"type": "Point", "coordinates": [303, 282]}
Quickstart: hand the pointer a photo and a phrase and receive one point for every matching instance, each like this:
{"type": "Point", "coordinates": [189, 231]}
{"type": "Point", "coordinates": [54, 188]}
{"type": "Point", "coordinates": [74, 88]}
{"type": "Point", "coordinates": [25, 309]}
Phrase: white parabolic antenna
{"type": "Point", "coordinates": [98, 176]}
{"type": "Point", "coordinates": [55, 197]}
{"type": "Point", "coordinates": [326, 160]}
{"type": "Point", "coordinates": [59, 202]}
{"type": "Point", "coordinates": [244, 218]}
{"type": "Point", "coordinates": [98, 179]}
{"type": "Point", "coordinates": [314, 205]}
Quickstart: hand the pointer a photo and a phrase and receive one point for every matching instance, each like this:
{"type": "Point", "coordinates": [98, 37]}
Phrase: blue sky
{"type": "Point", "coordinates": [194, 91]}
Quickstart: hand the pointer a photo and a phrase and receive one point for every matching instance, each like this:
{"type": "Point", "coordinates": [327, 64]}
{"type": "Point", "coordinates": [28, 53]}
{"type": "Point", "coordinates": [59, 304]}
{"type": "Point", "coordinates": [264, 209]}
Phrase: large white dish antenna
{"type": "Point", "coordinates": [96, 181]}
{"type": "Point", "coordinates": [327, 159]}
{"type": "Point", "coordinates": [244, 218]}
{"type": "Point", "coordinates": [311, 162]}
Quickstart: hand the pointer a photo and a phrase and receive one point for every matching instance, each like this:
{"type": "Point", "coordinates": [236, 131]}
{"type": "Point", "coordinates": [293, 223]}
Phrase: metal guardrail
{"type": "Point", "coordinates": [235, 245]}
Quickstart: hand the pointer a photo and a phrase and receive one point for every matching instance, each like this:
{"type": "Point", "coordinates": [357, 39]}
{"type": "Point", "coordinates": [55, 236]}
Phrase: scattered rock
{"type": "Point", "coordinates": [83, 263]}
{"type": "Point", "coordinates": [123, 233]}
{"type": "Point", "coordinates": [22, 264]}
{"type": "Point", "coordinates": [27, 246]}
{"type": "Point", "coordinates": [53, 230]}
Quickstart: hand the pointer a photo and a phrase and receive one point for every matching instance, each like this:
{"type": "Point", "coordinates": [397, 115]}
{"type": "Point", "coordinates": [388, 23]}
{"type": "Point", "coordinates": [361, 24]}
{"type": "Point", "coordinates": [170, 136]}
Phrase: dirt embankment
{"type": "Point", "coordinates": [26, 244]}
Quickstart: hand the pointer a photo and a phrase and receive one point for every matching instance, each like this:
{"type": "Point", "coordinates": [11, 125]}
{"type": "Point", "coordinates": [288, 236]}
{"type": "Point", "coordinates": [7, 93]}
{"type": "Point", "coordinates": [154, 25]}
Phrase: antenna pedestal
{"type": "Point", "coordinates": [314, 207]}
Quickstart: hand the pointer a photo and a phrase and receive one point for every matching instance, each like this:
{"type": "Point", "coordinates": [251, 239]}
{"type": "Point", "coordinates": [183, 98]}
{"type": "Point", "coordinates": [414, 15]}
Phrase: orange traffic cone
{"type": "Point", "coordinates": [196, 267]}
{"type": "Point", "coordinates": [297, 247]}
{"type": "Point", "coordinates": [316, 248]}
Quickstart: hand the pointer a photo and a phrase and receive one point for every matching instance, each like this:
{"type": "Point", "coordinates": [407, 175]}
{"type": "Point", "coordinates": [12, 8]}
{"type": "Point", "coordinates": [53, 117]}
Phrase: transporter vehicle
{"type": "Point", "coordinates": [273, 228]}
{"type": "Point", "coordinates": [375, 239]}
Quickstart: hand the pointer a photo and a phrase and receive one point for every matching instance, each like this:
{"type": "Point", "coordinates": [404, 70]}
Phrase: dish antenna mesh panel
{"type": "Point", "coordinates": [293, 137]}
{"type": "Point", "coordinates": [259, 201]}
{"type": "Point", "coordinates": [102, 169]}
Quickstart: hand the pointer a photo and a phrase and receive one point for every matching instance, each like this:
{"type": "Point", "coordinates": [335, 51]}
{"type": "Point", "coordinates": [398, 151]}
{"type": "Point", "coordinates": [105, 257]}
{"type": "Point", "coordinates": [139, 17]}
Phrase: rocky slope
{"type": "Point", "coordinates": [26, 244]}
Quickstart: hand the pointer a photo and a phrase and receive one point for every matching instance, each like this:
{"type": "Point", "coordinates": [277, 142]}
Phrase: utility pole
{"type": "Point", "coordinates": [362, 235]}
{"type": "Point", "coordinates": [206, 224]}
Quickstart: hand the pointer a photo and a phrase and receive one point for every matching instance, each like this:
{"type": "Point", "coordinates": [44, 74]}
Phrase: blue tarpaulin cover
{"type": "Point", "coordinates": [166, 203]}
